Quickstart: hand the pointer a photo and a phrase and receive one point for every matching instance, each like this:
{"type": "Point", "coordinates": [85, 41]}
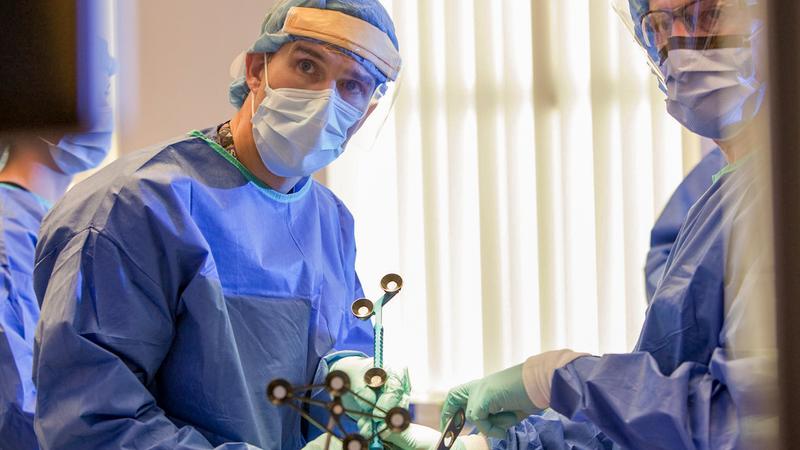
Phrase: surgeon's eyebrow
{"type": "Point", "coordinates": [358, 75]}
{"type": "Point", "coordinates": [302, 48]}
{"type": "Point", "coordinates": [367, 80]}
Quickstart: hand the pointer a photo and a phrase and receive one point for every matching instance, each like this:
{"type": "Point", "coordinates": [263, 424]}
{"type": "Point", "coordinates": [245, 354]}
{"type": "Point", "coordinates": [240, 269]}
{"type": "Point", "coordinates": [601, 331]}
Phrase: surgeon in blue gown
{"type": "Point", "coordinates": [179, 280]}
{"type": "Point", "coordinates": [552, 430]}
{"type": "Point", "coordinates": [702, 374]}
{"type": "Point", "coordinates": [36, 173]}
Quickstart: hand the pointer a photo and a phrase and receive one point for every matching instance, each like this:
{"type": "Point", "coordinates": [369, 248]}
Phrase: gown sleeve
{"type": "Point", "coordinates": [637, 406]}
{"type": "Point", "coordinates": [105, 328]}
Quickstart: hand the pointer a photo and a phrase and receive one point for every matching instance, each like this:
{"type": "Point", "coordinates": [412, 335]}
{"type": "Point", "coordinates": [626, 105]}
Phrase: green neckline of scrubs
{"type": "Point", "coordinates": [39, 199]}
{"type": "Point", "coordinates": [730, 168]}
{"type": "Point", "coordinates": [271, 193]}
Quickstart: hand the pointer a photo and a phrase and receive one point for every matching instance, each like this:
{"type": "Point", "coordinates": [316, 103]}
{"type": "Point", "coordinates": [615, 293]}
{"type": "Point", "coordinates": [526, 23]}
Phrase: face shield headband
{"type": "Point", "coordinates": [347, 32]}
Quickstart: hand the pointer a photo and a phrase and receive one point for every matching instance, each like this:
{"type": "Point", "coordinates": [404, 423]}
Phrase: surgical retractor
{"type": "Point", "coordinates": [364, 309]}
{"type": "Point", "coordinates": [282, 393]}
{"type": "Point", "coordinates": [337, 384]}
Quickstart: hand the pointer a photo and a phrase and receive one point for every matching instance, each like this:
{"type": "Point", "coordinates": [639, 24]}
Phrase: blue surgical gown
{"type": "Point", "coordinates": [551, 431]}
{"type": "Point", "coordinates": [174, 287]}
{"type": "Point", "coordinates": [21, 213]}
{"type": "Point", "coordinates": [668, 224]}
{"type": "Point", "coordinates": [687, 385]}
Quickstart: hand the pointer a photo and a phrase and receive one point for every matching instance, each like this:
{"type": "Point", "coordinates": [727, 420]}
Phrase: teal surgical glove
{"type": "Point", "coordinates": [320, 443]}
{"type": "Point", "coordinates": [503, 399]}
{"type": "Point", "coordinates": [415, 437]}
{"type": "Point", "coordinates": [493, 403]}
{"type": "Point", "coordinates": [395, 392]}
{"type": "Point", "coordinates": [418, 437]}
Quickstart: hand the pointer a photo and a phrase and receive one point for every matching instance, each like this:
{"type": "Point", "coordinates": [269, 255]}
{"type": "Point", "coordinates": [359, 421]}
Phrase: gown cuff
{"type": "Point", "coordinates": [475, 442]}
{"type": "Point", "coordinates": [537, 374]}
{"type": "Point", "coordinates": [332, 357]}
{"type": "Point", "coordinates": [325, 364]}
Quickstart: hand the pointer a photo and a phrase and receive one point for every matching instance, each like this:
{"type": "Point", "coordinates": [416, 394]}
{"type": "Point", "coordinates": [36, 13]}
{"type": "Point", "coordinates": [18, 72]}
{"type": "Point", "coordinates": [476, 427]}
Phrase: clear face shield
{"type": "Point", "coordinates": [380, 108]}
{"type": "Point", "coordinates": [706, 55]}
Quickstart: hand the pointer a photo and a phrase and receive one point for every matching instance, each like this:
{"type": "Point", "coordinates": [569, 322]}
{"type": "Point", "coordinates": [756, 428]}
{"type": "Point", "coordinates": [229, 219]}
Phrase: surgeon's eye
{"type": "Point", "coordinates": [307, 67]}
{"type": "Point", "coordinates": [353, 87]}
{"type": "Point", "coordinates": [714, 15]}
{"type": "Point", "coordinates": [708, 19]}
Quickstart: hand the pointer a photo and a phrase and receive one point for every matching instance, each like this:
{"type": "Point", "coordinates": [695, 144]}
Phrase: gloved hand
{"type": "Point", "coordinates": [319, 443]}
{"type": "Point", "coordinates": [503, 399]}
{"type": "Point", "coordinates": [493, 403]}
{"type": "Point", "coordinates": [418, 437]}
{"type": "Point", "coordinates": [395, 392]}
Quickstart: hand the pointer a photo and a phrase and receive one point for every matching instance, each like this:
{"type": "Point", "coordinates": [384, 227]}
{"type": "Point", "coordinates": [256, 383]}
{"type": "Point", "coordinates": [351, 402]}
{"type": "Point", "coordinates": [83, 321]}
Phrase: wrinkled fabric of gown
{"type": "Point", "coordinates": [552, 431]}
{"type": "Point", "coordinates": [669, 222]}
{"type": "Point", "coordinates": [21, 214]}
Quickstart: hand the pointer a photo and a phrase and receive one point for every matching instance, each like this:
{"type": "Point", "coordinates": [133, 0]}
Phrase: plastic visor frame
{"type": "Point", "coordinates": [623, 13]}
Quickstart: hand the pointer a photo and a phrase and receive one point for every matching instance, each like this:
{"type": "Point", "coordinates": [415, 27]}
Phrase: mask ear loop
{"type": "Point", "coordinates": [47, 141]}
{"type": "Point", "coordinates": [759, 29]}
{"type": "Point", "coordinates": [253, 96]}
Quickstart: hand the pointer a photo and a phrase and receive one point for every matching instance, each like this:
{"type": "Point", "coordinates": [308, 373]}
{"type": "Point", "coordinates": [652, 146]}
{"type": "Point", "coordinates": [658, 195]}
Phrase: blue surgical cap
{"type": "Point", "coordinates": [272, 39]}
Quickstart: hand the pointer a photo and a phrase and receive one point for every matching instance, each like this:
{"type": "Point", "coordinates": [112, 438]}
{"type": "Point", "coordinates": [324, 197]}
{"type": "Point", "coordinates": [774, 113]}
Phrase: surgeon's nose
{"type": "Point", "coordinates": [679, 28]}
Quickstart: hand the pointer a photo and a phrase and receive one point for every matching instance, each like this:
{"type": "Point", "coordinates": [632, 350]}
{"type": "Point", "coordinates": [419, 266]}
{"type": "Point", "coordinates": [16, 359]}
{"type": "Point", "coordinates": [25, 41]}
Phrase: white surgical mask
{"type": "Point", "coordinates": [712, 92]}
{"type": "Point", "coordinates": [299, 131]}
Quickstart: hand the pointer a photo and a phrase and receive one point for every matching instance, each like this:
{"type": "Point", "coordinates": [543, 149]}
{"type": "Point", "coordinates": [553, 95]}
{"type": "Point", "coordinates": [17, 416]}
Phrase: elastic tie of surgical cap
{"type": "Point", "coordinates": [348, 32]}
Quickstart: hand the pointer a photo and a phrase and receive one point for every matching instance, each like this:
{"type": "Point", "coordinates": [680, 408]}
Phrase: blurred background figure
{"type": "Point", "coordinates": [36, 173]}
